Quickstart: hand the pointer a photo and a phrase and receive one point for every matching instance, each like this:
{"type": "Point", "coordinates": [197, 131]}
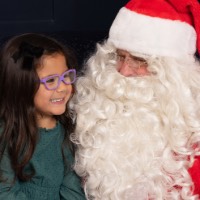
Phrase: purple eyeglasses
{"type": "Point", "coordinates": [53, 82]}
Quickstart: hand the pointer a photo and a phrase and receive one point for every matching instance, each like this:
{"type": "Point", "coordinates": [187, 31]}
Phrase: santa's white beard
{"type": "Point", "coordinates": [134, 135]}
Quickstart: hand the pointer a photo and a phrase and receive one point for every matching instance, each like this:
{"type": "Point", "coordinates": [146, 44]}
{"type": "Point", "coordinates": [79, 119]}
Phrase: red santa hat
{"type": "Point", "coordinates": [158, 27]}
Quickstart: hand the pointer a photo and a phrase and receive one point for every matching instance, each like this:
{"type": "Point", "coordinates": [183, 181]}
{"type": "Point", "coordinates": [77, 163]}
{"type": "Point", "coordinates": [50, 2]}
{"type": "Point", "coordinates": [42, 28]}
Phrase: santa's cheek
{"type": "Point", "coordinates": [142, 71]}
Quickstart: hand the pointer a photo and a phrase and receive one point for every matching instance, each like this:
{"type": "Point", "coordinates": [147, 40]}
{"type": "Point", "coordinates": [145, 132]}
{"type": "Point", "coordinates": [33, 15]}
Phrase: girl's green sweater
{"type": "Point", "coordinates": [52, 179]}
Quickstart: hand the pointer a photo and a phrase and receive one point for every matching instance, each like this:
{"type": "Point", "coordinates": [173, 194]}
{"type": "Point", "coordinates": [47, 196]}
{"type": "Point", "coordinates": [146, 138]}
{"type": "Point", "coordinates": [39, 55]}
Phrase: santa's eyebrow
{"type": "Point", "coordinates": [137, 58]}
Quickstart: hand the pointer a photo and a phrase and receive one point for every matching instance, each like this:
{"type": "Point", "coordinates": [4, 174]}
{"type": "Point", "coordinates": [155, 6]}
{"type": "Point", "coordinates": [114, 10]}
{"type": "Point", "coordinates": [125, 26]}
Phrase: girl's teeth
{"type": "Point", "coordinates": [56, 100]}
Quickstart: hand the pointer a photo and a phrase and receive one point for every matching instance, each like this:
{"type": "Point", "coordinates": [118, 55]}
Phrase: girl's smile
{"type": "Point", "coordinates": [60, 100]}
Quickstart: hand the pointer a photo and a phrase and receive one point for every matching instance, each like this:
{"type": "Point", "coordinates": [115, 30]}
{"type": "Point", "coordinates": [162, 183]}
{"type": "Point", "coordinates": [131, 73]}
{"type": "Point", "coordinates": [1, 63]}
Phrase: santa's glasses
{"type": "Point", "coordinates": [53, 82]}
{"type": "Point", "coordinates": [132, 61]}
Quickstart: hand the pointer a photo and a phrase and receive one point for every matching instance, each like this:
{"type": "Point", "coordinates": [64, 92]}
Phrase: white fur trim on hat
{"type": "Point", "coordinates": [144, 34]}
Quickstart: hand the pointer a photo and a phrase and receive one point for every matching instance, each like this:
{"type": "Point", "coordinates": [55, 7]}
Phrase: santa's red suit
{"type": "Point", "coordinates": [195, 174]}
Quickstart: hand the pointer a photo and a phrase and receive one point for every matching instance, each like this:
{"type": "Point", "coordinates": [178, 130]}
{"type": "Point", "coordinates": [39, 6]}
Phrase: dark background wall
{"type": "Point", "coordinates": [78, 23]}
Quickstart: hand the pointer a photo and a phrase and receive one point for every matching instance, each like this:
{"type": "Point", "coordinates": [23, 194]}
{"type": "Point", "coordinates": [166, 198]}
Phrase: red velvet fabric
{"type": "Point", "coordinates": [195, 174]}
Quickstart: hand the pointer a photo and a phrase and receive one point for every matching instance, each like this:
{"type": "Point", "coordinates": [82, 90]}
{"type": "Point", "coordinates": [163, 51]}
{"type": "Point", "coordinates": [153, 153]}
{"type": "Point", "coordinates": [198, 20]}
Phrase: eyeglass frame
{"type": "Point", "coordinates": [61, 79]}
{"type": "Point", "coordinates": [130, 60]}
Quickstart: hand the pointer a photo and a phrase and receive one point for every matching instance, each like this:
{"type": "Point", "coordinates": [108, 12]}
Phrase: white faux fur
{"type": "Point", "coordinates": [151, 35]}
{"type": "Point", "coordinates": [135, 135]}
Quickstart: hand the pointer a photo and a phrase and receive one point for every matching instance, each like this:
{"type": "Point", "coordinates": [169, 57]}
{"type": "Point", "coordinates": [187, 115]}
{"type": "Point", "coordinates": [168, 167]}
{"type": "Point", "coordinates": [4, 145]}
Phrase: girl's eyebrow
{"type": "Point", "coordinates": [49, 75]}
{"type": "Point", "coordinates": [55, 74]}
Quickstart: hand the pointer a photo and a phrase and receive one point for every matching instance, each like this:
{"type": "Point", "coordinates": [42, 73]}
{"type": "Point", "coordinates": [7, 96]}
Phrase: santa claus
{"type": "Point", "coordinates": [138, 106]}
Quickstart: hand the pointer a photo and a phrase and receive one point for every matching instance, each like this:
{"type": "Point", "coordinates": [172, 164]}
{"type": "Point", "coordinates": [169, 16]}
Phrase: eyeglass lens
{"type": "Point", "coordinates": [53, 82]}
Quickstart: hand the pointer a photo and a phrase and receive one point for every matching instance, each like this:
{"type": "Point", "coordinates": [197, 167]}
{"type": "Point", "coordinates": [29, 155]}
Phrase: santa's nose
{"type": "Point", "coordinates": [125, 70]}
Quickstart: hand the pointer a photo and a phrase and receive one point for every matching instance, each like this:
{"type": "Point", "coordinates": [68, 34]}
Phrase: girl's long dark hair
{"type": "Point", "coordinates": [19, 82]}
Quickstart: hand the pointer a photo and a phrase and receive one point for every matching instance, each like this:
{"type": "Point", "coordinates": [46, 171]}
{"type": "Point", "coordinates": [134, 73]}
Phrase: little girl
{"type": "Point", "coordinates": [36, 155]}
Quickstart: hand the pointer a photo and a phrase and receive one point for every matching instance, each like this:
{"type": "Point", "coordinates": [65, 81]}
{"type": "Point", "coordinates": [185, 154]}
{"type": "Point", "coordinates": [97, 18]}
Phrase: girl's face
{"type": "Point", "coordinates": [52, 102]}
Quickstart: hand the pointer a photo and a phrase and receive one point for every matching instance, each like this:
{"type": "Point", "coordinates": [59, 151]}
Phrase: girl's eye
{"type": "Point", "coordinates": [50, 80]}
{"type": "Point", "coordinates": [67, 78]}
